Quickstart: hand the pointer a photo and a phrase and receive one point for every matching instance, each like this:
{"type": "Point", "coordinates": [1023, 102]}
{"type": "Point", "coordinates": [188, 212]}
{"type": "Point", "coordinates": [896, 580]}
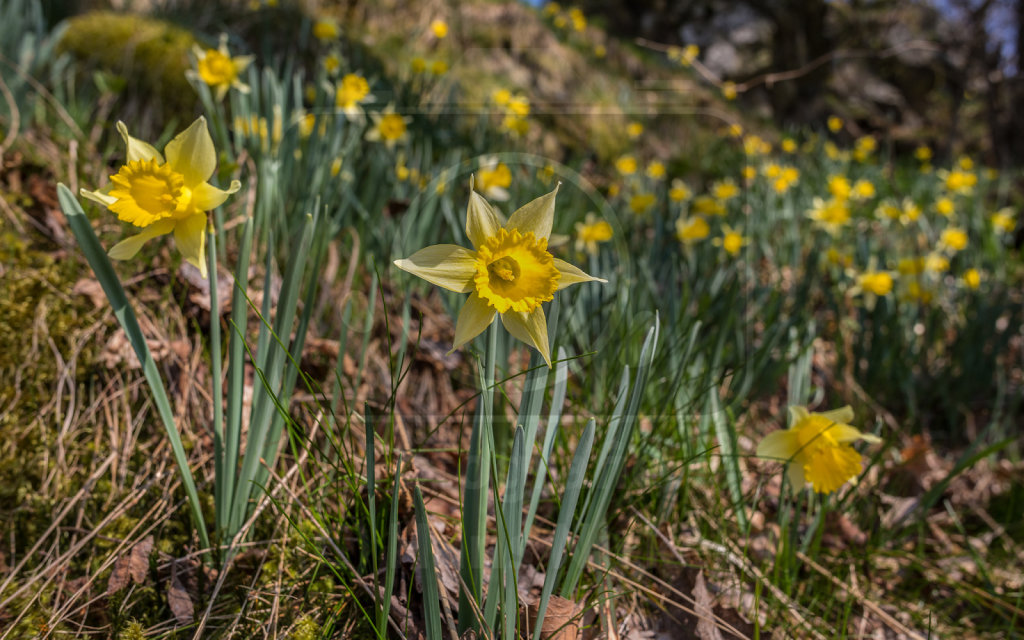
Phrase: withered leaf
{"type": "Point", "coordinates": [704, 608]}
{"type": "Point", "coordinates": [179, 601]}
{"type": "Point", "coordinates": [132, 566]}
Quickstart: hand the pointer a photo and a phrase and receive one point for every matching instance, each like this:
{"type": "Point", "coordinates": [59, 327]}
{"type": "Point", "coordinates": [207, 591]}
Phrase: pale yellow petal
{"type": "Point", "coordinates": [795, 473]}
{"type": "Point", "coordinates": [779, 445]}
{"type": "Point", "coordinates": [98, 197]}
{"type": "Point", "coordinates": [207, 197]}
{"type": "Point", "coordinates": [842, 415]}
{"type": "Point", "coordinates": [191, 153]}
{"type": "Point", "coordinates": [190, 236]}
{"type": "Point", "coordinates": [569, 275]}
{"type": "Point", "coordinates": [481, 220]}
{"type": "Point", "coordinates": [531, 328]}
{"type": "Point", "coordinates": [536, 216]}
{"type": "Point", "coordinates": [796, 414]}
{"type": "Point", "coordinates": [446, 265]}
{"type": "Point", "coordinates": [137, 149]}
{"type": "Point", "coordinates": [476, 315]}
{"type": "Point", "coordinates": [127, 248]}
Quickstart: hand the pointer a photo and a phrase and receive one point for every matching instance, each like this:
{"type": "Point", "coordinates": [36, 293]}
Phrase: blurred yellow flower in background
{"type": "Point", "coordinates": [679, 192]}
{"type": "Point", "coordinates": [835, 123]}
{"type": "Point", "coordinates": [326, 29]}
{"type": "Point", "coordinates": [626, 165]}
{"type": "Point", "coordinates": [732, 240]}
{"type": "Point", "coordinates": [590, 232]}
{"type": "Point", "coordinates": [389, 127]}
{"type": "Point", "coordinates": [692, 230]}
{"type": "Point", "coordinates": [219, 70]}
{"type": "Point", "coordinates": [439, 28]}
{"type": "Point", "coordinates": [642, 202]}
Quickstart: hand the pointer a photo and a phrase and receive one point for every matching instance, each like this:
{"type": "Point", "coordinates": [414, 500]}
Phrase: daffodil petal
{"type": "Point", "coordinates": [191, 153]}
{"type": "Point", "coordinates": [795, 473]}
{"type": "Point", "coordinates": [446, 265]}
{"type": "Point", "coordinates": [481, 220]}
{"type": "Point", "coordinates": [778, 445]}
{"type": "Point", "coordinates": [536, 216]}
{"type": "Point", "coordinates": [476, 315]}
{"type": "Point", "coordinates": [137, 149]}
{"type": "Point", "coordinates": [207, 197]}
{"type": "Point", "coordinates": [531, 328]}
{"type": "Point", "coordinates": [127, 248]}
{"type": "Point", "coordinates": [190, 236]}
{"type": "Point", "coordinates": [796, 414]}
{"type": "Point", "coordinates": [569, 275]}
{"type": "Point", "coordinates": [842, 415]}
{"type": "Point", "coordinates": [98, 197]}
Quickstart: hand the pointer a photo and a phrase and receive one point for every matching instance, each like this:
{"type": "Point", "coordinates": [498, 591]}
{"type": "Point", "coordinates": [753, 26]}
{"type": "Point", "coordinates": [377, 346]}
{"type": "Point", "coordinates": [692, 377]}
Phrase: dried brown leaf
{"type": "Point", "coordinates": [179, 601]}
{"type": "Point", "coordinates": [134, 566]}
{"type": "Point", "coordinates": [704, 608]}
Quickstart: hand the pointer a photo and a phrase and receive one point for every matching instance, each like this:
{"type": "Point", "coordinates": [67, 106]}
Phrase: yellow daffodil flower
{"type": "Point", "coordinates": [656, 170]}
{"type": "Point", "coordinates": [732, 240]}
{"type": "Point", "coordinates": [679, 191]}
{"type": "Point", "coordinates": [168, 195]}
{"type": "Point", "coordinates": [626, 165]}
{"type": "Point", "coordinates": [972, 279]}
{"type": "Point", "coordinates": [219, 70]}
{"type": "Point", "coordinates": [640, 203]}
{"type": "Point", "coordinates": [590, 232]}
{"type": "Point", "coordinates": [1004, 220]}
{"type": "Point", "coordinates": [923, 153]}
{"type": "Point", "coordinates": [832, 214]}
{"type": "Point", "coordinates": [788, 145]}
{"type": "Point", "coordinates": [725, 190]}
{"type": "Point", "coordinates": [510, 273]}
{"type": "Point", "coordinates": [839, 186]}
{"type": "Point", "coordinates": [389, 127]}
{"type": "Point", "coordinates": [729, 91]}
{"type": "Point", "coordinates": [817, 448]}
{"type": "Point", "coordinates": [953, 239]}
{"type": "Point", "coordinates": [863, 190]}
{"type": "Point", "coordinates": [326, 30]}
{"type": "Point", "coordinates": [692, 230]}
{"type": "Point", "coordinates": [439, 67]}
{"type": "Point", "coordinates": [439, 28]}
{"type": "Point", "coordinates": [708, 206]}
{"type": "Point", "coordinates": [835, 123]}
{"type": "Point", "coordinates": [493, 179]}
{"type": "Point", "coordinates": [945, 207]}
{"type": "Point", "coordinates": [634, 130]}
{"type": "Point", "coordinates": [352, 91]}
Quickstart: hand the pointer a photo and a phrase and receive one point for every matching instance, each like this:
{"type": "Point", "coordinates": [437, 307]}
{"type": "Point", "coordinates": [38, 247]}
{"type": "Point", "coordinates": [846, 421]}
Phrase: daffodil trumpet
{"type": "Point", "coordinates": [509, 272]}
{"type": "Point", "coordinates": [166, 193]}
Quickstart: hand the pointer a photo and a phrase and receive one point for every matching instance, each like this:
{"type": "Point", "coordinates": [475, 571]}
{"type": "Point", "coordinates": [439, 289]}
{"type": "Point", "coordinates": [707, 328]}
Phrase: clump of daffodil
{"type": "Point", "coordinates": [590, 232]}
{"type": "Point", "coordinates": [863, 148]}
{"type": "Point", "coordinates": [959, 181]}
{"type": "Point", "coordinates": [839, 186]}
{"type": "Point", "coordinates": [389, 127]}
{"type": "Point", "coordinates": [817, 448]}
{"type": "Point", "coordinates": [510, 271]}
{"type": "Point", "coordinates": [219, 70]}
{"type": "Point", "coordinates": [165, 193]}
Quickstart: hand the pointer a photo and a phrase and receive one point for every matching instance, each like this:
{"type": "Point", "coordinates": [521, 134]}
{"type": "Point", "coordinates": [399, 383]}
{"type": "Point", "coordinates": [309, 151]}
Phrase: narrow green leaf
{"type": "Point", "coordinates": [428, 571]}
